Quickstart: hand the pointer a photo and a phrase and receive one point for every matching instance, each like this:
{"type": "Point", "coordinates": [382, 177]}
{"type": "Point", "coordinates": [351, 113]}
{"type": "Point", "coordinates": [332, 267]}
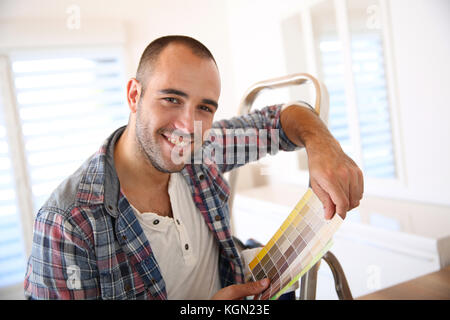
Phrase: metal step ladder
{"type": "Point", "coordinates": [308, 281]}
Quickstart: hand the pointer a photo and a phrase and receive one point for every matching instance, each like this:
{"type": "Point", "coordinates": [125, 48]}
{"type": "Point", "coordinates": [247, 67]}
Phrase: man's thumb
{"type": "Point", "coordinates": [250, 288]}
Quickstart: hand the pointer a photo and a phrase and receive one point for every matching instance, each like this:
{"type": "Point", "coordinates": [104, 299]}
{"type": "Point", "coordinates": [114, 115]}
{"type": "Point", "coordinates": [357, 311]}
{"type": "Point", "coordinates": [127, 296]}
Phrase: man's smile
{"type": "Point", "coordinates": [176, 139]}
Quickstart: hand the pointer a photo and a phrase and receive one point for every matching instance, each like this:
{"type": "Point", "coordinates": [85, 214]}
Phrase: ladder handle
{"type": "Point", "coordinates": [281, 82]}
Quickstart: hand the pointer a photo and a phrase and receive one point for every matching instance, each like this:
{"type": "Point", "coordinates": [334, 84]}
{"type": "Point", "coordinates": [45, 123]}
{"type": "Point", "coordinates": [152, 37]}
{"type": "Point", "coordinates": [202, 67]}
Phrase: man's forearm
{"type": "Point", "coordinates": [304, 127]}
{"type": "Point", "coordinates": [334, 177]}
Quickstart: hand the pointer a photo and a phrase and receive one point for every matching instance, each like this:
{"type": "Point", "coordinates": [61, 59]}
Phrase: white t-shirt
{"type": "Point", "coordinates": [184, 247]}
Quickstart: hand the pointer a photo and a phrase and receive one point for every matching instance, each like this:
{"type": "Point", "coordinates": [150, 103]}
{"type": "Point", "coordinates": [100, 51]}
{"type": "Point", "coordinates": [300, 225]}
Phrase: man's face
{"type": "Point", "coordinates": [181, 89]}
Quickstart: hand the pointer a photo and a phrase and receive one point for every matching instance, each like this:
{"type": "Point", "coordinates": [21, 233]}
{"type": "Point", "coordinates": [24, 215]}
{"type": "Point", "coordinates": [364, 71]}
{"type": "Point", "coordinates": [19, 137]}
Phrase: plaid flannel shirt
{"type": "Point", "coordinates": [88, 244]}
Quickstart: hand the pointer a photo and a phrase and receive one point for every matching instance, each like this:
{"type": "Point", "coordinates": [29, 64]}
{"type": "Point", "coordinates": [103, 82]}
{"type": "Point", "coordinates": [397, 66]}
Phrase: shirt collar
{"type": "Point", "coordinates": [99, 183]}
{"type": "Point", "coordinates": [111, 180]}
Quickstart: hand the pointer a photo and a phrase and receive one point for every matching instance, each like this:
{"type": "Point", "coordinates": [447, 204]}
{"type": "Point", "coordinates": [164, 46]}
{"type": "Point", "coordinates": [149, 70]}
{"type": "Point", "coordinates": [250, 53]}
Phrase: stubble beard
{"type": "Point", "coordinates": [148, 146]}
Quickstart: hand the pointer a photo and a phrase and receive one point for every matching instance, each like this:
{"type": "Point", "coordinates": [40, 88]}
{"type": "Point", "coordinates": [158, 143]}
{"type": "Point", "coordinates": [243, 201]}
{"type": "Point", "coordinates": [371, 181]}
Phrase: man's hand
{"type": "Point", "coordinates": [334, 177]}
{"type": "Point", "coordinates": [240, 291]}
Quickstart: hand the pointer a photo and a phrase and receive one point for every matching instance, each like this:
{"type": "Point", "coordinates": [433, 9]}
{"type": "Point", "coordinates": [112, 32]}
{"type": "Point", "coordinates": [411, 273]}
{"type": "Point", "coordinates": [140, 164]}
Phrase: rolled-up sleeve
{"type": "Point", "coordinates": [247, 138]}
{"type": "Point", "coordinates": [62, 263]}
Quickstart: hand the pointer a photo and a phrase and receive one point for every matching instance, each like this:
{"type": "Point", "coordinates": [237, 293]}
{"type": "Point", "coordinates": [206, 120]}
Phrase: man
{"type": "Point", "coordinates": [135, 222]}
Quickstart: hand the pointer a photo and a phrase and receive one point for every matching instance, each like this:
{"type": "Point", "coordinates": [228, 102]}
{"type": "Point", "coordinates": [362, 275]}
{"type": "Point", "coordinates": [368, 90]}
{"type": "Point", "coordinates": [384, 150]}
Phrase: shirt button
{"type": "Point", "coordinates": [124, 237]}
{"type": "Point", "coordinates": [155, 222]}
{"type": "Point", "coordinates": [222, 197]}
{"type": "Point", "coordinates": [127, 287]}
{"type": "Point", "coordinates": [178, 221]}
{"type": "Point", "coordinates": [201, 177]}
{"type": "Point", "coordinates": [217, 218]}
{"type": "Point", "coordinates": [186, 246]}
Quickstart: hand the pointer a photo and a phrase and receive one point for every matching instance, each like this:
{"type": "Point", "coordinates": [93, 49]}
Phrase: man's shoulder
{"type": "Point", "coordinates": [77, 190]}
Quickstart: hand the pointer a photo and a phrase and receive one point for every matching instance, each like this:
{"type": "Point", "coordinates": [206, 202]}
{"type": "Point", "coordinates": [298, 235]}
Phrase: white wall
{"type": "Point", "coordinates": [142, 21]}
{"type": "Point", "coordinates": [421, 32]}
{"type": "Point", "coordinates": [256, 42]}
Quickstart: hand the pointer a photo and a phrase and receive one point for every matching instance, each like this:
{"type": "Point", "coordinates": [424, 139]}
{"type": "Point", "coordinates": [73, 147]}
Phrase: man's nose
{"type": "Point", "coordinates": [186, 120]}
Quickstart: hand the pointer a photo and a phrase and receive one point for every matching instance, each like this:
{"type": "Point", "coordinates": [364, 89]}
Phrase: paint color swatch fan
{"type": "Point", "coordinates": [300, 242]}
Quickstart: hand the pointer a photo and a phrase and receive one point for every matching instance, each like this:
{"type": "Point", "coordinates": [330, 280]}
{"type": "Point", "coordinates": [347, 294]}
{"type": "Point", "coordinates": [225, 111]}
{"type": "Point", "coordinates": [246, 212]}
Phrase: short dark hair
{"type": "Point", "coordinates": [152, 51]}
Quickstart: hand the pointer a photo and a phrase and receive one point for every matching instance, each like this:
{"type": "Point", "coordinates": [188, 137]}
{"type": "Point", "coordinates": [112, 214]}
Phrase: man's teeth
{"type": "Point", "coordinates": [176, 141]}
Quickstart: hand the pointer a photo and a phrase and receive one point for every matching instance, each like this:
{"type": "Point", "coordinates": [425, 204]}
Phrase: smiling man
{"type": "Point", "coordinates": [133, 223]}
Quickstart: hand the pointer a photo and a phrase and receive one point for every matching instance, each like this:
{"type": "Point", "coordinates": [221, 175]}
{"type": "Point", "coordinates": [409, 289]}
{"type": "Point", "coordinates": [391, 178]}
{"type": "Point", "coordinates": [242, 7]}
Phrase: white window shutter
{"type": "Point", "coordinates": [372, 101]}
{"type": "Point", "coordinates": [68, 105]}
{"type": "Point", "coordinates": [12, 251]}
{"type": "Point", "coordinates": [373, 105]}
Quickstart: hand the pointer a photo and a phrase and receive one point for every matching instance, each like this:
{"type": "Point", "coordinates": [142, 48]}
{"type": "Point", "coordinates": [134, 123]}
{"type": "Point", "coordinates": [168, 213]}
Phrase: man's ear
{"type": "Point", "coordinates": [134, 89]}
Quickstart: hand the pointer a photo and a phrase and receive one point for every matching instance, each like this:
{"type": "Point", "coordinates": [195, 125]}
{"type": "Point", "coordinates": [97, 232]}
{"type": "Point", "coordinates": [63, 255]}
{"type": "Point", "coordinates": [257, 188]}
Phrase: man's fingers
{"type": "Point", "coordinates": [327, 203]}
{"type": "Point", "coordinates": [240, 291]}
{"type": "Point", "coordinates": [356, 188]}
{"type": "Point", "coordinates": [337, 175]}
{"type": "Point", "coordinates": [338, 196]}
{"type": "Point", "coordinates": [360, 183]}
{"type": "Point", "coordinates": [354, 191]}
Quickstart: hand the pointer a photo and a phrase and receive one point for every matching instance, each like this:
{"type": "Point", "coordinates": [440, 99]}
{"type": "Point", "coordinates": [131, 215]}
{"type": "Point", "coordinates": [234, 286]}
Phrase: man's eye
{"type": "Point", "coordinates": [171, 100]}
{"type": "Point", "coordinates": [205, 108]}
